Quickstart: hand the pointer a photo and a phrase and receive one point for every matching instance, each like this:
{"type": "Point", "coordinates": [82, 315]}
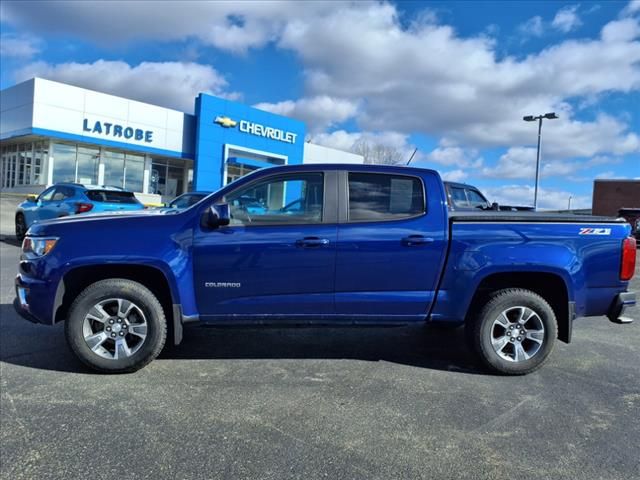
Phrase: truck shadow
{"type": "Point", "coordinates": [9, 240]}
{"type": "Point", "coordinates": [42, 347]}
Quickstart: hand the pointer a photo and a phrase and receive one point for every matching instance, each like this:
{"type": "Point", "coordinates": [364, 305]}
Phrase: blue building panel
{"type": "Point", "coordinates": [223, 123]}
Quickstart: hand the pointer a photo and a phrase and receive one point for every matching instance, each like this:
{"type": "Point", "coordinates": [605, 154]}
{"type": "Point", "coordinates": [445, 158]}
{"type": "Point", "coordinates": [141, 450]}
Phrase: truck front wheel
{"type": "Point", "coordinates": [116, 325]}
{"type": "Point", "coordinates": [515, 331]}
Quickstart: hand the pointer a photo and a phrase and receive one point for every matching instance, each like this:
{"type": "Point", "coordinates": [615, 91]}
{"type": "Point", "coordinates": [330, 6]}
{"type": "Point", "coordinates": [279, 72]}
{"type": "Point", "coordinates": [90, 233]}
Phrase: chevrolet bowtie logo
{"type": "Point", "coordinates": [226, 122]}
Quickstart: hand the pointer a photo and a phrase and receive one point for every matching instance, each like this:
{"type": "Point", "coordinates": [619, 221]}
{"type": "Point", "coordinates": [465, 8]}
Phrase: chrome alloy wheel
{"type": "Point", "coordinates": [517, 334]}
{"type": "Point", "coordinates": [115, 328]}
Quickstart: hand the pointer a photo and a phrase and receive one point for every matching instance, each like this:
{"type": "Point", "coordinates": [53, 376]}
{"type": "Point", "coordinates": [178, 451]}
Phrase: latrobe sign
{"type": "Point", "coordinates": [117, 131]}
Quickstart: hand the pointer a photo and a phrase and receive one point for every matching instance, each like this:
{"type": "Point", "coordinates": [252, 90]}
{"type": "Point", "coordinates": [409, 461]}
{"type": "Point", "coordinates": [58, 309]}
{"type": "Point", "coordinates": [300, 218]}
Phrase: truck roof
{"type": "Point", "coordinates": [354, 167]}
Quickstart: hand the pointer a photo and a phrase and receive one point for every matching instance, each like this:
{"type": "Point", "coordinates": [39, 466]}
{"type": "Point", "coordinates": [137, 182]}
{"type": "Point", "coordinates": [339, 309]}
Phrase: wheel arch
{"type": "Point", "coordinates": [78, 278]}
{"type": "Point", "coordinates": [549, 285]}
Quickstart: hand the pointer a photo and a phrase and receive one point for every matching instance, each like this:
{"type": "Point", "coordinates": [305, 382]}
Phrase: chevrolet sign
{"type": "Point", "coordinates": [257, 129]}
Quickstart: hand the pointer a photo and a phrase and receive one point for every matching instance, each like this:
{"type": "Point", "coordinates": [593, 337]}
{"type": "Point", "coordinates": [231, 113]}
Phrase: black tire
{"type": "Point", "coordinates": [21, 227]}
{"type": "Point", "coordinates": [513, 301]}
{"type": "Point", "coordinates": [144, 301]}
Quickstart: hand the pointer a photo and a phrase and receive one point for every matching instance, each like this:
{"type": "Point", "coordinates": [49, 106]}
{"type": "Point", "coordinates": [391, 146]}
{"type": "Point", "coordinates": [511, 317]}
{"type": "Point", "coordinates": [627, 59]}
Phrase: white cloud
{"type": "Point", "coordinates": [533, 27]}
{"type": "Point", "coordinates": [454, 175]}
{"type": "Point", "coordinates": [452, 155]}
{"type": "Point", "coordinates": [567, 19]}
{"type": "Point", "coordinates": [522, 195]}
{"type": "Point", "coordinates": [520, 163]}
{"type": "Point", "coordinates": [169, 84]}
{"type": "Point", "coordinates": [18, 46]}
{"type": "Point", "coordinates": [232, 26]}
{"type": "Point", "coordinates": [632, 8]}
{"type": "Point", "coordinates": [319, 113]}
{"type": "Point", "coordinates": [417, 78]}
{"type": "Point", "coordinates": [624, 30]}
{"type": "Point", "coordinates": [517, 162]}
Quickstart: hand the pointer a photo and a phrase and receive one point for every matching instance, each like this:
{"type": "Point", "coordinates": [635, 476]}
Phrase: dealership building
{"type": "Point", "coordinates": [51, 132]}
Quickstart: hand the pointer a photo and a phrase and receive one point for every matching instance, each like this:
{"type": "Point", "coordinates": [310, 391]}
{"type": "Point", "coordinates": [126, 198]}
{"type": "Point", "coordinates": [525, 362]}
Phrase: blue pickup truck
{"type": "Point", "coordinates": [362, 244]}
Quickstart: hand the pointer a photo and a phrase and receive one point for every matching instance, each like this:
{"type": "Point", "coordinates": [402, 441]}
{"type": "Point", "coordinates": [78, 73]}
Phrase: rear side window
{"type": "Point", "coordinates": [111, 196]}
{"type": "Point", "coordinates": [374, 197]}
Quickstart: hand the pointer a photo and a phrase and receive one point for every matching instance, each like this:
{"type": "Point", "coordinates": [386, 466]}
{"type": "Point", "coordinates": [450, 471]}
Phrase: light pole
{"type": "Point", "coordinates": [569, 206]}
{"type": "Point", "coordinates": [531, 118]}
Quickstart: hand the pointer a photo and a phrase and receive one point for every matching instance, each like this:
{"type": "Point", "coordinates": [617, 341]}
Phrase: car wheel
{"type": "Point", "coordinates": [515, 332]}
{"type": "Point", "coordinates": [116, 326]}
{"type": "Point", "coordinates": [21, 227]}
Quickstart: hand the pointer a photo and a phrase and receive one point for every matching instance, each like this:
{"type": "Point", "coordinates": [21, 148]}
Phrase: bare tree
{"type": "Point", "coordinates": [377, 153]}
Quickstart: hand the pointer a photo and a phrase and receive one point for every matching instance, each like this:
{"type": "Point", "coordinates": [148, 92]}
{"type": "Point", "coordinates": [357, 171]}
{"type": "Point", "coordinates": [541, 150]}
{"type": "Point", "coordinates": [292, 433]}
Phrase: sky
{"type": "Point", "coordinates": [452, 79]}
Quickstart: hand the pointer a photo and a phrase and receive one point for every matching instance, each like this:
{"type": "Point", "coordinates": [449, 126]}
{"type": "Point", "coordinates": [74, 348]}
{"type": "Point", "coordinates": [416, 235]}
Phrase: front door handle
{"type": "Point", "coordinates": [312, 242]}
{"type": "Point", "coordinates": [415, 240]}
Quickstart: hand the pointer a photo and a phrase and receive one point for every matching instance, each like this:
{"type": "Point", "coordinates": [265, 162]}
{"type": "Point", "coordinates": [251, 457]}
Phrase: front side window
{"type": "Point", "coordinates": [63, 193]}
{"type": "Point", "coordinates": [182, 201]}
{"type": "Point", "coordinates": [375, 197]}
{"type": "Point", "coordinates": [47, 195]}
{"type": "Point", "coordinates": [476, 199]}
{"type": "Point", "coordinates": [291, 199]}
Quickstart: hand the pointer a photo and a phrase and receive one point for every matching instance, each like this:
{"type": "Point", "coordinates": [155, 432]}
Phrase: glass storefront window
{"type": "Point", "coordinates": [39, 155]}
{"type": "Point", "coordinates": [64, 163]}
{"type": "Point", "coordinates": [157, 178]}
{"type": "Point", "coordinates": [88, 160]}
{"type": "Point", "coordinates": [175, 181]}
{"type": "Point", "coordinates": [21, 164]}
{"type": "Point", "coordinates": [113, 168]}
{"type": "Point", "coordinates": [134, 172]}
{"type": "Point", "coordinates": [26, 164]}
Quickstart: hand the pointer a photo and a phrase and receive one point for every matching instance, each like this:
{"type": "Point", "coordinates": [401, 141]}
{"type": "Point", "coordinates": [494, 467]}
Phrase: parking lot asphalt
{"type": "Point", "coordinates": [311, 403]}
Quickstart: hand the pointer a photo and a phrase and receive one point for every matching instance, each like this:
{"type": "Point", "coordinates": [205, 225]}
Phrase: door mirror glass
{"type": "Point", "coordinates": [217, 215]}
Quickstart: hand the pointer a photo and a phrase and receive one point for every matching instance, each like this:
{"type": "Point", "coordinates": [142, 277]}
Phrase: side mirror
{"type": "Point", "coordinates": [32, 198]}
{"type": "Point", "coordinates": [495, 206]}
{"type": "Point", "coordinates": [217, 215]}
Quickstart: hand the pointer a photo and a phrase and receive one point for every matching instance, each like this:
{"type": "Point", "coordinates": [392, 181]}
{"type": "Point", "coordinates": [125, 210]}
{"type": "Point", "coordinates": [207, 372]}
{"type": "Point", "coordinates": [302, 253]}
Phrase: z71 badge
{"type": "Point", "coordinates": [595, 231]}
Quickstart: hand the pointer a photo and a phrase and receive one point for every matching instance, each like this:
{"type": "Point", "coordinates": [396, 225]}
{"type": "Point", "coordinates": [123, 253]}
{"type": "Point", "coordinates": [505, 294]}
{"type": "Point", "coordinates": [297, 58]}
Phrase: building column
{"type": "Point", "coordinates": [185, 178]}
{"type": "Point", "coordinates": [146, 174]}
{"type": "Point", "coordinates": [50, 164]}
{"type": "Point", "coordinates": [101, 166]}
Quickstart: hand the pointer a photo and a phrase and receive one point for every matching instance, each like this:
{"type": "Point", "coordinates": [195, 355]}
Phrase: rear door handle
{"type": "Point", "coordinates": [415, 240]}
{"type": "Point", "coordinates": [312, 242]}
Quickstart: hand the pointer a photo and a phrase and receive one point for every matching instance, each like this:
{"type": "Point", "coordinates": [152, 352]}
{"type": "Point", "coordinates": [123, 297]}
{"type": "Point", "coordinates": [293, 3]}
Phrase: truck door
{"type": "Point", "coordinates": [391, 244]}
{"type": "Point", "coordinates": [277, 256]}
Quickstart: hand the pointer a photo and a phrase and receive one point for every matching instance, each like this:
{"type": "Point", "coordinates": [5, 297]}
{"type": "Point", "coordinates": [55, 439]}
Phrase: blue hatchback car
{"type": "Point", "coordinates": [65, 199]}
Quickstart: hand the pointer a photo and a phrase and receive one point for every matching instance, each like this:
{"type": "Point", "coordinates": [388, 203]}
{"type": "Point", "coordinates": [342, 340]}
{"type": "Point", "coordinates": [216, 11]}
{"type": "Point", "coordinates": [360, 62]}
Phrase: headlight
{"type": "Point", "coordinates": [38, 246]}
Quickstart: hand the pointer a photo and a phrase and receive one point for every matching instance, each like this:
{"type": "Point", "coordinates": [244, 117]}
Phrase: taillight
{"type": "Point", "coordinates": [83, 207]}
{"type": "Point", "coordinates": [628, 265]}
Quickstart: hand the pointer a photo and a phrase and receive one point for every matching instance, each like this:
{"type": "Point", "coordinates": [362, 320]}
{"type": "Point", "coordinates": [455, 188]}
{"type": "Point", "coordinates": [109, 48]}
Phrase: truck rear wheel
{"type": "Point", "coordinates": [515, 331]}
{"type": "Point", "coordinates": [116, 326]}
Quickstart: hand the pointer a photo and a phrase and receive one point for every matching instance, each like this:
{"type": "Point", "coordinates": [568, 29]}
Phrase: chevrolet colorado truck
{"type": "Point", "coordinates": [324, 244]}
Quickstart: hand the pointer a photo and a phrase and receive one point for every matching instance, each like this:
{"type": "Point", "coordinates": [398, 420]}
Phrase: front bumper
{"type": "Point", "coordinates": [620, 304]}
{"type": "Point", "coordinates": [35, 299]}
{"type": "Point", "coordinates": [23, 311]}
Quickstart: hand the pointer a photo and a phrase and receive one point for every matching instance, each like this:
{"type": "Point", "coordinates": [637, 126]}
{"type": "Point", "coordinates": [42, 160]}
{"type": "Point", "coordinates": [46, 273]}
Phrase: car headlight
{"type": "Point", "coordinates": [38, 246]}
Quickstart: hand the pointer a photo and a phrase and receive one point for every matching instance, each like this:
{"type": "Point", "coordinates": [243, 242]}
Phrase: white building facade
{"type": "Point", "coordinates": [51, 132]}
